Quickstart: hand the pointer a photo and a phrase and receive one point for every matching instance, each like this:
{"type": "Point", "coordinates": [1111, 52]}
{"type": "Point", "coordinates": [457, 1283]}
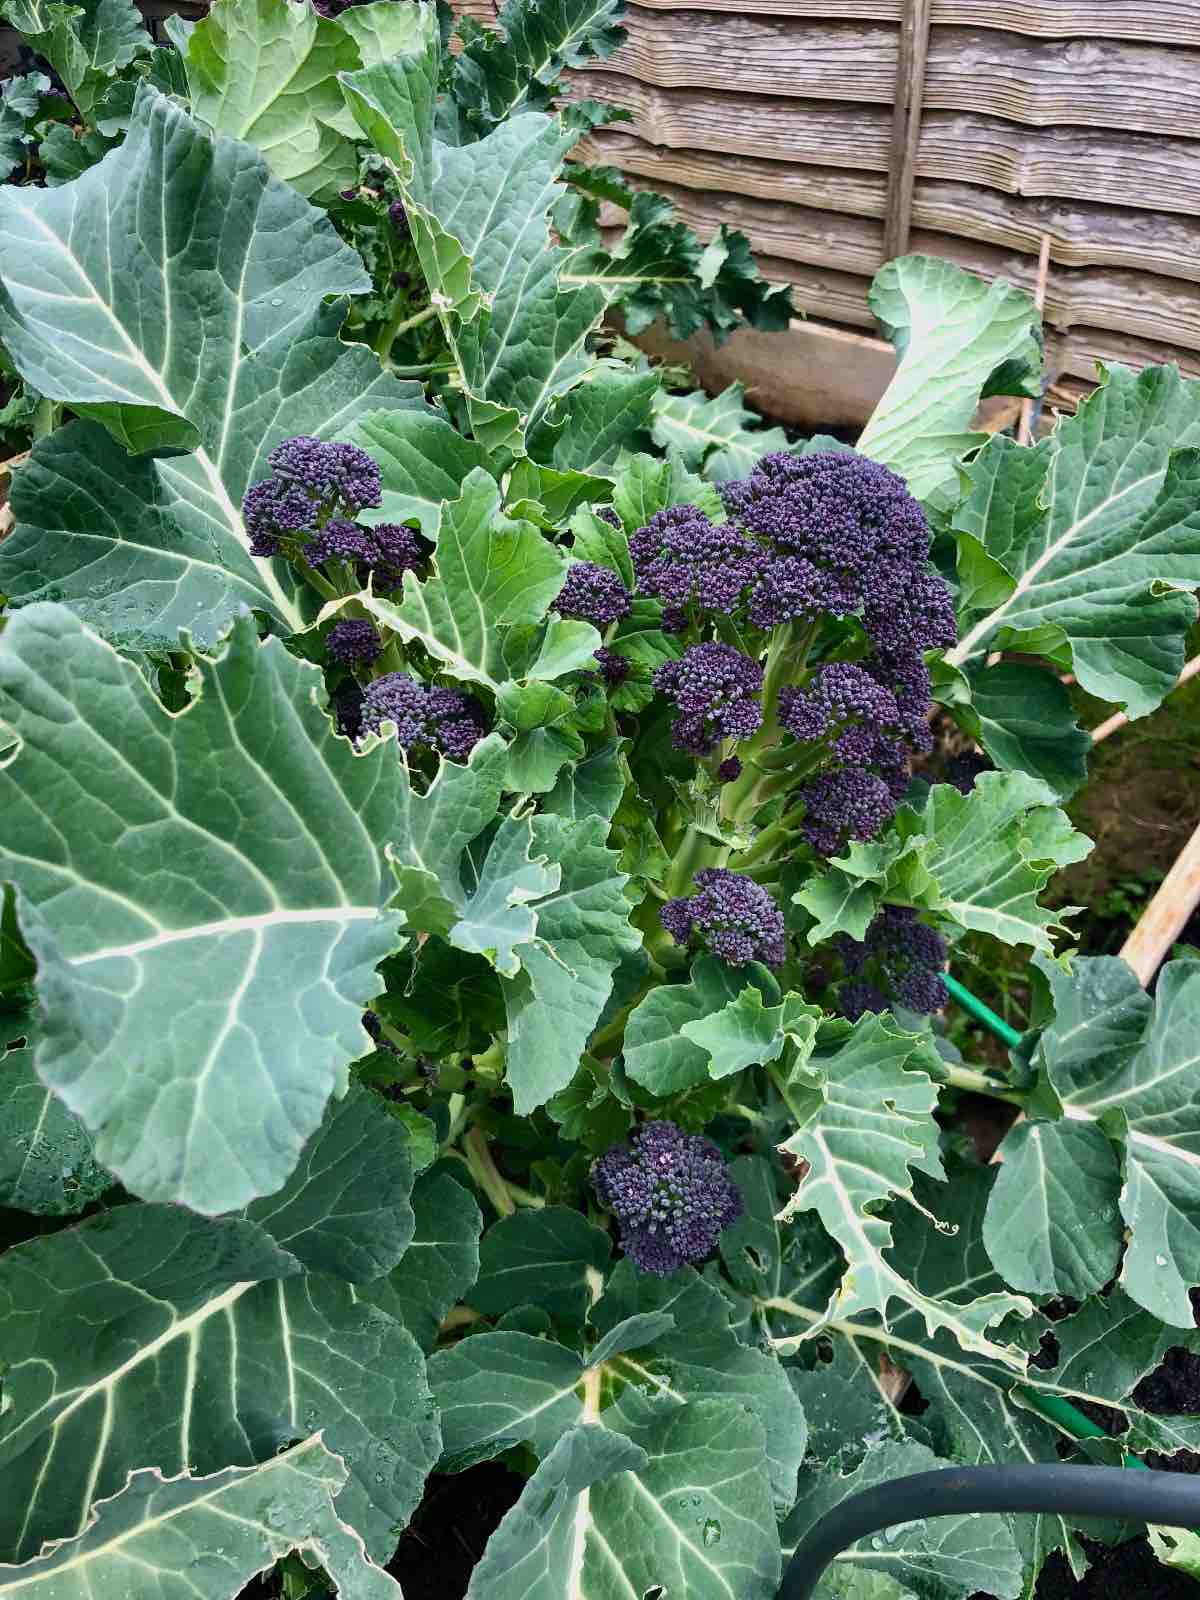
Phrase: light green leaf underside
{"type": "Point", "coordinates": [226, 1353]}
{"type": "Point", "coordinates": [952, 331]}
{"type": "Point", "coordinates": [583, 934]}
{"type": "Point", "coordinates": [492, 574]}
{"type": "Point", "coordinates": [1049, 1224]}
{"type": "Point", "coordinates": [205, 896]}
{"type": "Point", "coordinates": [1097, 533]}
{"type": "Point", "coordinates": [207, 1537]}
{"type": "Point", "coordinates": [865, 1127]}
{"type": "Point", "coordinates": [979, 860]}
{"type": "Point", "coordinates": [479, 215]}
{"type": "Point", "coordinates": [716, 436]}
{"type": "Point", "coordinates": [679, 1504]}
{"type": "Point", "coordinates": [173, 230]}
{"type": "Point", "coordinates": [266, 71]}
{"type": "Point", "coordinates": [1114, 1057]}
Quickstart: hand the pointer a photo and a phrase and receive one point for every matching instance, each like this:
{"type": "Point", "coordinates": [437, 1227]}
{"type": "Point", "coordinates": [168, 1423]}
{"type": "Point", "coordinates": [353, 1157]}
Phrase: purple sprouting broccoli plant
{"type": "Point", "coordinates": [899, 961]}
{"type": "Point", "coordinates": [731, 916]}
{"type": "Point", "coordinates": [593, 594]}
{"type": "Point", "coordinates": [427, 716]}
{"type": "Point", "coordinates": [671, 1194]}
{"type": "Point", "coordinates": [690, 563]}
{"type": "Point", "coordinates": [715, 690]}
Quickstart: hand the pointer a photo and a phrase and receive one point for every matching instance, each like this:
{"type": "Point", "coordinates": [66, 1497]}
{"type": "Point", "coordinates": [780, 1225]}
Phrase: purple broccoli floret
{"type": "Point", "coordinates": [593, 594]}
{"type": "Point", "coordinates": [607, 514]}
{"type": "Point", "coordinates": [683, 558]}
{"type": "Point", "coordinates": [845, 805]}
{"type": "Point", "coordinates": [447, 721]}
{"type": "Point", "coordinates": [398, 550]}
{"type": "Point", "coordinates": [729, 770]}
{"type": "Point", "coordinates": [715, 689]}
{"type": "Point", "coordinates": [907, 676]}
{"type": "Point", "coordinates": [340, 540]}
{"type": "Point", "coordinates": [900, 960]}
{"type": "Point", "coordinates": [614, 667]}
{"type": "Point", "coordinates": [840, 697]}
{"type": "Point", "coordinates": [919, 617]}
{"type": "Point", "coordinates": [347, 710]}
{"type": "Point", "coordinates": [330, 472]}
{"type": "Point", "coordinates": [733, 917]}
{"type": "Point", "coordinates": [353, 641]}
{"type": "Point", "coordinates": [398, 217]}
{"type": "Point", "coordinates": [671, 1194]}
{"type": "Point", "coordinates": [792, 587]}
{"type": "Point", "coordinates": [272, 509]}
{"type": "Point", "coordinates": [963, 769]}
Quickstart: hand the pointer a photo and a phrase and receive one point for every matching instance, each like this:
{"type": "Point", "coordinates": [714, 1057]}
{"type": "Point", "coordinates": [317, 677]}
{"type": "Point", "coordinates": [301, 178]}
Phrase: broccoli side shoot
{"type": "Point", "coordinates": [671, 1193]}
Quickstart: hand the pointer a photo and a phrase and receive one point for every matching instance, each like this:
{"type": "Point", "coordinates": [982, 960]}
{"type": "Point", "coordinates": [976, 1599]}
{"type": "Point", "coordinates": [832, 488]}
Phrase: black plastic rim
{"type": "Point", "coordinates": [1168, 1498]}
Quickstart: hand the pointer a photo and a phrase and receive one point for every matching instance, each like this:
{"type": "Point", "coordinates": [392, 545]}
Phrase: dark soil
{"type": "Point", "coordinates": [444, 1541]}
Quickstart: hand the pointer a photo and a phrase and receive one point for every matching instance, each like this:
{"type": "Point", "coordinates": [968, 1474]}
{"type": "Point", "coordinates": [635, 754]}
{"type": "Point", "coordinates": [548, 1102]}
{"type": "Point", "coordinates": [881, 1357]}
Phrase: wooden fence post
{"type": "Point", "coordinates": [906, 125]}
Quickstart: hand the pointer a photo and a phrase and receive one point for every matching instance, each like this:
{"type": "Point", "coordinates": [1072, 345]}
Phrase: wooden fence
{"type": "Point", "coordinates": [836, 133]}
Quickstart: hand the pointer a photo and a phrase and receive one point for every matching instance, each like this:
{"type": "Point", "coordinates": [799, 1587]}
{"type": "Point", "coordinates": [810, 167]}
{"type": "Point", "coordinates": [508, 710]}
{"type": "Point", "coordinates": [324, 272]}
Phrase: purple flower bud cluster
{"type": "Point", "coordinates": [845, 805]}
{"type": "Point", "coordinates": [899, 961]}
{"type": "Point", "coordinates": [963, 769]}
{"type": "Point", "coordinates": [398, 217]}
{"type": "Point", "coordinates": [715, 689]}
{"type": "Point", "coordinates": [840, 699]}
{"type": "Point", "coordinates": [593, 594]}
{"type": "Point", "coordinates": [614, 667]}
{"type": "Point", "coordinates": [607, 514]}
{"type": "Point", "coordinates": [729, 770]}
{"type": "Point", "coordinates": [447, 721]}
{"type": "Point", "coordinates": [384, 553]}
{"type": "Point", "coordinates": [671, 1194]}
{"type": "Point", "coordinates": [353, 641]}
{"type": "Point", "coordinates": [685, 560]}
{"type": "Point", "coordinates": [312, 482]}
{"type": "Point", "coordinates": [733, 917]}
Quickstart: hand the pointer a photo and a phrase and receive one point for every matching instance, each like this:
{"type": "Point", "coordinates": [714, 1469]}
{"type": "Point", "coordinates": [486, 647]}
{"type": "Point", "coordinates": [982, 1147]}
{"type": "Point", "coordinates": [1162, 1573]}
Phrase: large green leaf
{"type": "Point", "coordinates": [865, 1127]}
{"type": "Point", "coordinates": [515, 68]}
{"type": "Point", "coordinates": [423, 459]}
{"type": "Point", "coordinates": [345, 1209]}
{"type": "Point", "coordinates": [99, 279]}
{"type": "Point", "coordinates": [716, 436]}
{"type": "Point", "coordinates": [20, 99]}
{"type": "Point", "coordinates": [1121, 1062]}
{"type": "Point", "coordinates": [939, 1558]}
{"type": "Point", "coordinates": [1049, 1224]}
{"type": "Point", "coordinates": [480, 223]}
{"type": "Point", "coordinates": [266, 71]}
{"type": "Point", "coordinates": [440, 1264]}
{"type": "Point", "coordinates": [1023, 717]}
{"type": "Point", "coordinates": [551, 1258]}
{"type": "Point", "coordinates": [679, 1506]}
{"type": "Point", "coordinates": [205, 896]}
{"type": "Point", "coordinates": [85, 42]}
{"type": "Point", "coordinates": [596, 422]}
{"type": "Point", "coordinates": [979, 860]}
{"type": "Point", "coordinates": [659, 1052]}
{"type": "Point", "coordinates": [205, 1538]}
{"type": "Point", "coordinates": [492, 574]}
{"type": "Point", "coordinates": [953, 331]}
{"type": "Point", "coordinates": [46, 1160]}
{"type": "Point", "coordinates": [225, 1352]}
{"type": "Point", "coordinates": [1094, 535]}
{"type": "Point", "coordinates": [583, 935]}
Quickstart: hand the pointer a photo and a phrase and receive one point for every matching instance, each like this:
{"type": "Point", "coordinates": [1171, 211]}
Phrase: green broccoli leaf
{"type": "Point", "coordinates": [85, 42]}
{"type": "Point", "coordinates": [514, 68]}
{"type": "Point", "coordinates": [46, 1160]}
{"type": "Point", "coordinates": [717, 437]}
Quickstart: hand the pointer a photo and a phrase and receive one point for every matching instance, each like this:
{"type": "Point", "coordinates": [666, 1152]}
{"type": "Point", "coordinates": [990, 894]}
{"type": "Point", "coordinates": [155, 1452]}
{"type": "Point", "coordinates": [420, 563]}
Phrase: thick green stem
{"type": "Point", "coordinates": [397, 324]}
{"type": "Point", "coordinates": [695, 850]}
{"type": "Point", "coordinates": [485, 1172]}
{"type": "Point", "coordinates": [981, 1083]}
{"type": "Point", "coordinates": [786, 661]}
{"type": "Point", "coordinates": [45, 418]}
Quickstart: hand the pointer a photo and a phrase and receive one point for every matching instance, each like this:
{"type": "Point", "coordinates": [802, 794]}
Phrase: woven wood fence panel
{"type": "Point", "coordinates": [836, 132]}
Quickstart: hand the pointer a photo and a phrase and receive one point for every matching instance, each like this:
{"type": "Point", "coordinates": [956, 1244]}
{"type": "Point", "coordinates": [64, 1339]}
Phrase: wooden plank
{"type": "Point", "coordinates": [1137, 303]}
{"type": "Point", "coordinates": [906, 125]}
{"type": "Point", "coordinates": [1129, 169]}
{"type": "Point", "coordinates": [1161, 22]}
{"type": "Point", "coordinates": [1094, 83]}
{"type": "Point", "coordinates": [1081, 233]}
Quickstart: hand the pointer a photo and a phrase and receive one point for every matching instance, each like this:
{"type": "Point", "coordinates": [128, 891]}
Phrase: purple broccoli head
{"type": "Point", "coordinates": [733, 917]}
{"type": "Point", "coordinates": [593, 594]}
{"type": "Point", "coordinates": [614, 667]}
{"type": "Point", "coordinates": [845, 805]}
{"type": "Point", "coordinates": [353, 641]}
{"type": "Point", "coordinates": [840, 697]}
{"type": "Point", "coordinates": [671, 1194]}
{"type": "Point", "coordinates": [684, 559]}
{"type": "Point", "coordinates": [312, 481]}
{"type": "Point", "coordinates": [900, 960]}
{"type": "Point", "coordinates": [447, 721]}
{"type": "Point", "coordinates": [715, 689]}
